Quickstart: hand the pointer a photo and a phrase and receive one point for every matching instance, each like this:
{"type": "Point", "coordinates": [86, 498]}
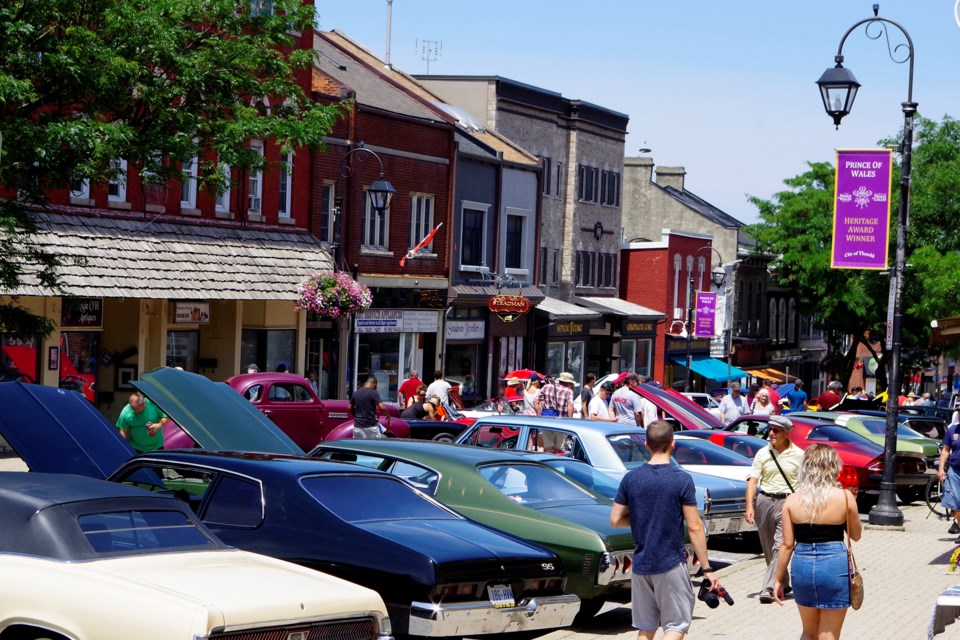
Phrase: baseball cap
{"type": "Point", "coordinates": [535, 378]}
{"type": "Point", "coordinates": [607, 386]}
{"type": "Point", "coordinates": [253, 366]}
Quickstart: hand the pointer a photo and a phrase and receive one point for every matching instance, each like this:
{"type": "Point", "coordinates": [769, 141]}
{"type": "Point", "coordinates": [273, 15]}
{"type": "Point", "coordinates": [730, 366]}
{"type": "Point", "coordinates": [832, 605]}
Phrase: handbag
{"type": "Point", "coordinates": [856, 580]}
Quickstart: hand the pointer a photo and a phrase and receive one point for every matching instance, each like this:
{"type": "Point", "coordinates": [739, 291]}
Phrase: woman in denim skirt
{"type": "Point", "coordinates": [815, 519]}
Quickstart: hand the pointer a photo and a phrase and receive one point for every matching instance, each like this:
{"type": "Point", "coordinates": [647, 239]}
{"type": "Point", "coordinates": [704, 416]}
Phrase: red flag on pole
{"type": "Point", "coordinates": [423, 243]}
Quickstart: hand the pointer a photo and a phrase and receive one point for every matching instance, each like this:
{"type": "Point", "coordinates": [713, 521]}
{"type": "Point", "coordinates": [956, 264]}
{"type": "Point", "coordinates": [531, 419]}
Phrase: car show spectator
{"type": "Point", "coordinates": [253, 368]}
{"type": "Point", "coordinates": [831, 397]}
{"type": "Point", "coordinates": [599, 408]}
{"type": "Point", "coordinates": [531, 403]}
{"type": "Point", "coordinates": [420, 408]}
{"type": "Point", "coordinates": [586, 395]}
{"type": "Point", "coordinates": [141, 424]}
{"type": "Point", "coordinates": [407, 391]}
{"type": "Point", "coordinates": [439, 387]}
{"type": "Point", "coordinates": [556, 397]}
{"type": "Point", "coordinates": [762, 405]}
{"type": "Point", "coordinates": [626, 402]}
{"type": "Point", "coordinates": [797, 397]}
{"type": "Point", "coordinates": [365, 405]}
{"type": "Point", "coordinates": [733, 404]}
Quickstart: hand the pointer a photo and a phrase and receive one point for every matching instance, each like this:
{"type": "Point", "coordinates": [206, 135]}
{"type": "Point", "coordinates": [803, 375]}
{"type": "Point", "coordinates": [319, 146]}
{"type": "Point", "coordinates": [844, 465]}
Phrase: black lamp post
{"type": "Point", "coordinates": [838, 88]}
{"type": "Point", "coordinates": [717, 275]}
{"type": "Point", "coordinates": [380, 193]}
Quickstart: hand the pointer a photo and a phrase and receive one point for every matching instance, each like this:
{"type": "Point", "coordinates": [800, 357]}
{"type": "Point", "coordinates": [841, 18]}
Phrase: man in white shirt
{"type": "Point", "coordinates": [439, 387]}
{"type": "Point", "coordinates": [599, 408]}
{"type": "Point", "coordinates": [733, 404]}
{"type": "Point", "coordinates": [626, 402]}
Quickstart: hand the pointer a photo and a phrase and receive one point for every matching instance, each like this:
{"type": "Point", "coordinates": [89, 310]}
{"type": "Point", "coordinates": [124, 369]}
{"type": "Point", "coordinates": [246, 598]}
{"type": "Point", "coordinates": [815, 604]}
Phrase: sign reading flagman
{"type": "Point", "coordinates": [861, 210]}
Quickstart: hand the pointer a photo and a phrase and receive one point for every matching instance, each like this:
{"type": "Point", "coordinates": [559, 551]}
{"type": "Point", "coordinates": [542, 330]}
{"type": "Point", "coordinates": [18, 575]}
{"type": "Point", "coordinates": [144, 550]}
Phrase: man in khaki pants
{"type": "Point", "coordinates": [772, 478]}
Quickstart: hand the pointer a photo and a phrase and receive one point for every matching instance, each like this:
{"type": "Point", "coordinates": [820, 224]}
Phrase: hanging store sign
{"type": "Point", "coordinates": [396, 321]}
{"type": "Point", "coordinates": [81, 313]}
{"type": "Point", "coordinates": [706, 322]}
{"type": "Point", "coordinates": [191, 313]}
{"type": "Point", "coordinates": [861, 210]}
{"type": "Point", "coordinates": [508, 308]}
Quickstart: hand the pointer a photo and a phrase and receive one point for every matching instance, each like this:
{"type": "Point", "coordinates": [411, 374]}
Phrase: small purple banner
{"type": "Point", "coordinates": [706, 320]}
{"type": "Point", "coordinates": [861, 211]}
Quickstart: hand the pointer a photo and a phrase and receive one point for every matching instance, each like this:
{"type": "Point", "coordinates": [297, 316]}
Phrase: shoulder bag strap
{"type": "Point", "coordinates": [777, 462]}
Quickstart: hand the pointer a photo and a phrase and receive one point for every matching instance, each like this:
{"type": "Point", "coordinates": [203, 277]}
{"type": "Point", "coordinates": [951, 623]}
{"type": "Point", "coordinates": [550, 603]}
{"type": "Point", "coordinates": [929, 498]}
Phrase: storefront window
{"type": "Point", "coordinates": [182, 349]}
{"type": "Point", "coordinates": [463, 364]}
{"type": "Point", "coordinates": [269, 348]}
{"type": "Point", "coordinates": [643, 357]}
{"type": "Point", "coordinates": [555, 358]}
{"type": "Point", "coordinates": [628, 355]}
{"type": "Point", "coordinates": [78, 362]}
{"type": "Point", "coordinates": [379, 356]}
{"type": "Point", "coordinates": [322, 361]}
{"type": "Point", "coordinates": [18, 359]}
{"type": "Point", "coordinates": [575, 360]}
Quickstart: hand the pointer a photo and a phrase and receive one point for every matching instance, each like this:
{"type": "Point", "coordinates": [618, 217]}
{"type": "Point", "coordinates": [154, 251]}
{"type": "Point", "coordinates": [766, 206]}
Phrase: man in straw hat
{"type": "Point", "coordinates": [556, 398]}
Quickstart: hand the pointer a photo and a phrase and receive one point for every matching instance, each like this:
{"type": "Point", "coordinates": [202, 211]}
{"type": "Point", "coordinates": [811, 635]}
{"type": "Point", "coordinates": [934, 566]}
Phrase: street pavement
{"type": "Point", "coordinates": [903, 572]}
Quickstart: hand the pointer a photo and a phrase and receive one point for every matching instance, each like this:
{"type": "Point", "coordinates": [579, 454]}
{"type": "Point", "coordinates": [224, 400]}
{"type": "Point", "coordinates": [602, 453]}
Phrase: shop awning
{"type": "Point", "coordinates": [483, 292]}
{"type": "Point", "coordinates": [769, 373]}
{"type": "Point", "coordinates": [556, 308]}
{"type": "Point", "coordinates": [134, 258]}
{"type": "Point", "coordinates": [711, 368]}
{"type": "Point", "coordinates": [618, 306]}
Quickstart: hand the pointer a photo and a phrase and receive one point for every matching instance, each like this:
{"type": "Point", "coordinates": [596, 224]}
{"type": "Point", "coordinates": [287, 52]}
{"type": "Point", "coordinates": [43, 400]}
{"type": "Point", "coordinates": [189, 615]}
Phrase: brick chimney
{"type": "Point", "coordinates": [638, 170]}
{"type": "Point", "coordinates": [671, 177]}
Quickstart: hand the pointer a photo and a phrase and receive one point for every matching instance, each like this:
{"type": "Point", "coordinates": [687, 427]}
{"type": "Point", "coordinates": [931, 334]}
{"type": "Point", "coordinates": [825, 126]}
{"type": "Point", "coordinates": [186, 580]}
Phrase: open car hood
{"type": "Point", "coordinates": [212, 413]}
{"type": "Point", "coordinates": [59, 431]}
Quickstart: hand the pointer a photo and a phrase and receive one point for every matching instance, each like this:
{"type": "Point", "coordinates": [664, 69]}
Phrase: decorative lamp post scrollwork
{"type": "Point", "coordinates": [380, 193]}
{"type": "Point", "coordinates": [838, 88]}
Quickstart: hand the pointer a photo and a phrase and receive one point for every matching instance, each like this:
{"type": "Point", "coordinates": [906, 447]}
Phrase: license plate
{"type": "Point", "coordinates": [733, 526]}
{"type": "Point", "coordinates": [501, 596]}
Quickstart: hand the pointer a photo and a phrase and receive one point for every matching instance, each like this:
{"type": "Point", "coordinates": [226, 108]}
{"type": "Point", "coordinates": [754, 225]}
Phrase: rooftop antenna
{"type": "Point", "coordinates": [430, 51]}
{"type": "Point", "coordinates": [389, 23]}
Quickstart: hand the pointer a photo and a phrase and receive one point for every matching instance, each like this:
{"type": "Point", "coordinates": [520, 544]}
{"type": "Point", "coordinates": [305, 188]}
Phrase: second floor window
{"type": "Point", "coordinates": [255, 185]}
{"type": "Point", "coordinates": [421, 219]}
{"type": "Point", "coordinates": [606, 270]}
{"type": "Point", "coordinates": [547, 176]}
{"type": "Point", "coordinates": [327, 213]}
{"type": "Point", "coordinates": [589, 183]}
{"type": "Point", "coordinates": [585, 268]}
{"type": "Point", "coordinates": [513, 251]}
{"type": "Point", "coordinates": [117, 186]}
{"type": "Point", "coordinates": [79, 187]}
{"type": "Point", "coordinates": [223, 198]}
{"type": "Point", "coordinates": [472, 237]}
{"type": "Point", "coordinates": [610, 188]}
{"type": "Point", "coordinates": [376, 226]}
{"type": "Point", "coordinates": [286, 187]}
{"type": "Point", "coordinates": [188, 183]}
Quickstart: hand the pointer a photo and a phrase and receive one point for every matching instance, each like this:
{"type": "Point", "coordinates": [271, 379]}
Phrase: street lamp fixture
{"type": "Point", "coordinates": [718, 274]}
{"type": "Point", "coordinates": [380, 193]}
{"type": "Point", "coordinates": [886, 511]}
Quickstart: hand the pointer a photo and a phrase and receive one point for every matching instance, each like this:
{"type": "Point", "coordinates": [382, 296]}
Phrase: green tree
{"type": "Point", "coordinates": [796, 226]}
{"type": "Point", "coordinates": [83, 82]}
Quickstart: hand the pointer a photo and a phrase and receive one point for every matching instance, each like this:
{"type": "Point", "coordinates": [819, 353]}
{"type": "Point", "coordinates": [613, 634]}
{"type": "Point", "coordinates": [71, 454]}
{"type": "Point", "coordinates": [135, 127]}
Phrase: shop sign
{"type": "Point", "coordinates": [632, 326]}
{"type": "Point", "coordinates": [81, 313]}
{"type": "Point", "coordinates": [191, 313]}
{"type": "Point", "coordinates": [465, 329]}
{"type": "Point", "coordinates": [675, 344]}
{"type": "Point", "coordinates": [508, 308]}
{"type": "Point", "coordinates": [572, 328]}
{"type": "Point", "coordinates": [396, 321]}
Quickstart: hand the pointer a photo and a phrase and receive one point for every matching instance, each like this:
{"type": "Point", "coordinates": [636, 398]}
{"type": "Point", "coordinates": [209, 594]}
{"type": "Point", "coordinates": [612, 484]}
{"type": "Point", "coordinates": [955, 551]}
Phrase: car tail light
{"type": "Point", "coordinates": [848, 478]}
{"type": "Point", "coordinates": [458, 590]}
{"type": "Point", "coordinates": [877, 465]}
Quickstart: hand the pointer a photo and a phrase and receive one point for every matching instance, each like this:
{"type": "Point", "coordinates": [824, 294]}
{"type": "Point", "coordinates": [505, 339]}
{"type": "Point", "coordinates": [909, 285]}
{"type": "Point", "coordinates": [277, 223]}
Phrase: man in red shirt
{"type": "Point", "coordinates": [829, 398]}
{"type": "Point", "coordinates": [408, 389]}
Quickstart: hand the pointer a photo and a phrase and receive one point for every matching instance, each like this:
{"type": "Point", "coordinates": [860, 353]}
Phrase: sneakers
{"type": "Point", "coordinates": [766, 596]}
{"type": "Point", "coordinates": [954, 528]}
{"type": "Point", "coordinates": [787, 591]}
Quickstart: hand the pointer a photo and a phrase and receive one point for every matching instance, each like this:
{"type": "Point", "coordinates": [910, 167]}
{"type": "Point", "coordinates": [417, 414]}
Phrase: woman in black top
{"type": "Point", "coordinates": [815, 518]}
{"type": "Point", "coordinates": [420, 409]}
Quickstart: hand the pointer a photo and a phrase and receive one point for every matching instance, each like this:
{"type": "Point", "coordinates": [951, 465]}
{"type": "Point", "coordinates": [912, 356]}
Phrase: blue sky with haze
{"type": "Point", "coordinates": [724, 89]}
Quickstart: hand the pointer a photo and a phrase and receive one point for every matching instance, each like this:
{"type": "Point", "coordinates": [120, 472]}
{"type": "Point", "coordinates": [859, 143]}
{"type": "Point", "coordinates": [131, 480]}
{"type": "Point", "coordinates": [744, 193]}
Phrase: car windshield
{"type": "Point", "coordinates": [532, 485]}
{"type": "Point", "coordinates": [586, 475]}
{"type": "Point", "coordinates": [879, 428]}
{"type": "Point", "coordinates": [827, 433]}
{"type": "Point", "coordinates": [704, 452]}
{"type": "Point", "coordinates": [137, 531]}
{"type": "Point", "coordinates": [359, 498]}
{"type": "Point", "coordinates": [630, 448]}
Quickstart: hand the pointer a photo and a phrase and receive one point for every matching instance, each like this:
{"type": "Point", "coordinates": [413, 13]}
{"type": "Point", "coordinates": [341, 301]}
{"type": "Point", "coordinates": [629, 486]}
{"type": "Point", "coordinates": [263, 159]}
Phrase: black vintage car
{"type": "Point", "coordinates": [439, 573]}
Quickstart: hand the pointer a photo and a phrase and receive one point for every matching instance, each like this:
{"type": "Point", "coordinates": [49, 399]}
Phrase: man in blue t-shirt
{"type": "Point", "coordinates": [797, 397]}
{"type": "Point", "coordinates": [949, 471]}
{"type": "Point", "coordinates": [655, 500]}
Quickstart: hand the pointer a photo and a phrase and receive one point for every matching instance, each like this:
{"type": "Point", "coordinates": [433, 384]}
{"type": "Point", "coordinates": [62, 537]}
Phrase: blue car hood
{"type": "Point", "coordinates": [720, 488]}
{"type": "Point", "coordinates": [59, 431]}
{"type": "Point", "coordinates": [454, 540]}
{"type": "Point", "coordinates": [213, 413]}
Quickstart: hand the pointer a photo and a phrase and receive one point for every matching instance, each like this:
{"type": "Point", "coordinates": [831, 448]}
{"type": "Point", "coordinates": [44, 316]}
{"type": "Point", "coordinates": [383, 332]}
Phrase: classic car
{"type": "Point", "coordinates": [523, 497]}
{"type": "Point", "coordinates": [875, 429]}
{"type": "Point", "coordinates": [862, 459]}
{"type": "Point", "coordinates": [703, 456]}
{"type": "Point", "coordinates": [742, 443]}
{"type": "Point", "coordinates": [707, 402]}
{"type": "Point", "coordinates": [614, 449]}
{"type": "Point", "coordinates": [929, 425]}
{"type": "Point", "coordinates": [84, 558]}
{"type": "Point", "coordinates": [289, 401]}
{"type": "Point", "coordinates": [439, 573]}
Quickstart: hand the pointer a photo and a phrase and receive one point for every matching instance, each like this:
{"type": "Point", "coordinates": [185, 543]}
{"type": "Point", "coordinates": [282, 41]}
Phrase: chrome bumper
{"type": "Point", "coordinates": [727, 524]}
{"type": "Point", "coordinates": [470, 618]}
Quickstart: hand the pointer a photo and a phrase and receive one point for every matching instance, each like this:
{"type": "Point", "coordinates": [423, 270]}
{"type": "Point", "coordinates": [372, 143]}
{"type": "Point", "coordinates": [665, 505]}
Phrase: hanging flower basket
{"type": "Point", "coordinates": [332, 296]}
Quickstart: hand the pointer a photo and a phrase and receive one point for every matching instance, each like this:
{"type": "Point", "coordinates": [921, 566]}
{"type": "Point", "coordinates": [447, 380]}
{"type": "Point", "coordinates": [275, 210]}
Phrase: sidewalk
{"type": "Point", "coordinates": [903, 572]}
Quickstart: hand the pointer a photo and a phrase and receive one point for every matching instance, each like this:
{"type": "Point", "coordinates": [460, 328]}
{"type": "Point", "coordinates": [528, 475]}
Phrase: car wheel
{"type": "Point", "coordinates": [444, 437]}
{"type": "Point", "coordinates": [588, 609]}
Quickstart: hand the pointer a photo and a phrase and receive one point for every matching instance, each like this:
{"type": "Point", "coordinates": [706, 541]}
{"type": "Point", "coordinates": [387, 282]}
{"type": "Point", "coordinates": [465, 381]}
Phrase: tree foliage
{"type": "Point", "coordinates": [83, 82]}
{"type": "Point", "coordinates": [796, 226]}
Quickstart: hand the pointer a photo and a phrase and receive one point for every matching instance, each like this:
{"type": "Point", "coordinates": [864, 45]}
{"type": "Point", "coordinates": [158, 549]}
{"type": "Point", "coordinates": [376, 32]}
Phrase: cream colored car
{"type": "Point", "coordinates": [84, 559]}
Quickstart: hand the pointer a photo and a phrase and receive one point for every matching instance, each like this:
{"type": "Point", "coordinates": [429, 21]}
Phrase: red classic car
{"type": "Point", "coordinates": [289, 401]}
{"type": "Point", "coordinates": [862, 460]}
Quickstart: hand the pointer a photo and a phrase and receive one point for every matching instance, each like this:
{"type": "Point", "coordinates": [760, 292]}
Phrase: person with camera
{"type": "Point", "coordinates": [815, 519]}
{"type": "Point", "coordinates": [773, 477]}
{"type": "Point", "coordinates": [655, 500]}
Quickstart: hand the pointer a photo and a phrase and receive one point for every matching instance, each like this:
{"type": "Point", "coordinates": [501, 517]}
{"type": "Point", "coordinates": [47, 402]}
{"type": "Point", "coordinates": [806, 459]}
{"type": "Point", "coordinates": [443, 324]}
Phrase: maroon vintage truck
{"type": "Point", "coordinates": [289, 401]}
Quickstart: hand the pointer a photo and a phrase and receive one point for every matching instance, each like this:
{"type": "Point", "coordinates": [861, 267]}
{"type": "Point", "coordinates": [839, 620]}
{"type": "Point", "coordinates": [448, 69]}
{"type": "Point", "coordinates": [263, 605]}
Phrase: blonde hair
{"type": "Point", "coordinates": [818, 474]}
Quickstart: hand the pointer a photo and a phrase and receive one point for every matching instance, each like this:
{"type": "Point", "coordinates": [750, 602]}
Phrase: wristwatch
{"type": "Point", "coordinates": [706, 569]}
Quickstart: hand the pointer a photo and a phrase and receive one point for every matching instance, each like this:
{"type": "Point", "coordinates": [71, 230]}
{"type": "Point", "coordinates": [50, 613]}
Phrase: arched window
{"type": "Point", "coordinates": [782, 327]}
{"type": "Point", "coordinates": [689, 275]}
{"type": "Point", "coordinates": [792, 321]}
{"type": "Point", "coordinates": [772, 321]}
{"type": "Point", "coordinates": [677, 261]}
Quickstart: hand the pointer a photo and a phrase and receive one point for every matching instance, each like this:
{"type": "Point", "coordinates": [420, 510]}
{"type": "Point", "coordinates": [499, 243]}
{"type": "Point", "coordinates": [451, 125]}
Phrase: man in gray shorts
{"type": "Point", "coordinates": [655, 500]}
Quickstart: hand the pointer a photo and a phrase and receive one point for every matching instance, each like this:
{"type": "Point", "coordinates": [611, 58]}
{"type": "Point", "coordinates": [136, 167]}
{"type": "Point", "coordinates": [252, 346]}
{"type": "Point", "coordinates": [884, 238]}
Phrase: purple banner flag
{"type": "Point", "coordinates": [861, 211]}
{"type": "Point", "coordinates": [706, 320]}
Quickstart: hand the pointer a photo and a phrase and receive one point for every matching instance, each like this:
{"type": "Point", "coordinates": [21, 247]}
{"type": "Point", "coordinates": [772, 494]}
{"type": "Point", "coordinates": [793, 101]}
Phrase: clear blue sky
{"type": "Point", "coordinates": [725, 89]}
